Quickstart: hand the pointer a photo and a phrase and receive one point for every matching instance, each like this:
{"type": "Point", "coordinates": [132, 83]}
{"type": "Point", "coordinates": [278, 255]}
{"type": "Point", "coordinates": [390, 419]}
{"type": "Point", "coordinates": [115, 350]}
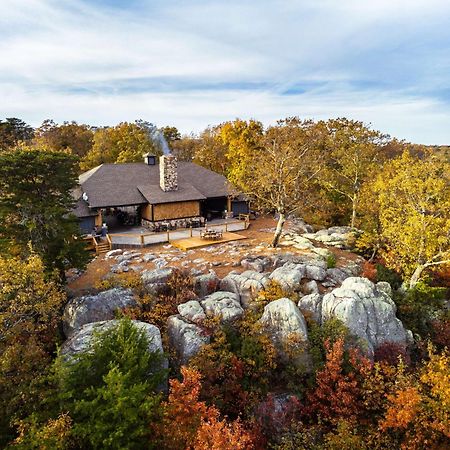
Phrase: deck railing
{"type": "Point", "coordinates": [143, 239]}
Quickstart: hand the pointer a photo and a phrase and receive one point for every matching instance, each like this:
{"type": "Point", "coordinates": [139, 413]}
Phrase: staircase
{"type": "Point", "coordinates": [101, 248]}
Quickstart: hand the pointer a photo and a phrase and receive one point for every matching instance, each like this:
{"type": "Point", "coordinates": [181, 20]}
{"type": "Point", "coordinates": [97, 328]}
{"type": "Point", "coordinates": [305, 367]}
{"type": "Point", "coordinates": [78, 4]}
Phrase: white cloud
{"type": "Point", "coordinates": [380, 61]}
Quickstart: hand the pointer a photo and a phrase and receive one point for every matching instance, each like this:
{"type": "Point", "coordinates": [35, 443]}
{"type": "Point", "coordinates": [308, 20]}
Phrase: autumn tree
{"type": "Point", "coordinates": [414, 213]}
{"type": "Point", "coordinates": [193, 424]}
{"type": "Point", "coordinates": [353, 154]}
{"type": "Point", "coordinates": [338, 393]}
{"type": "Point", "coordinates": [35, 201]}
{"type": "Point", "coordinates": [30, 306]}
{"type": "Point", "coordinates": [420, 412]}
{"type": "Point", "coordinates": [243, 143]}
{"type": "Point", "coordinates": [13, 131]}
{"type": "Point", "coordinates": [283, 172]}
{"type": "Point", "coordinates": [126, 142]}
{"type": "Point", "coordinates": [211, 151]}
{"type": "Point", "coordinates": [69, 136]}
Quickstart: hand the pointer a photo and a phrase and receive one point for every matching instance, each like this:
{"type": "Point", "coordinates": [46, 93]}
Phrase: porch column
{"type": "Point", "coordinates": [229, 204]}
{"type": "Point", "coordinates": [99, 219]}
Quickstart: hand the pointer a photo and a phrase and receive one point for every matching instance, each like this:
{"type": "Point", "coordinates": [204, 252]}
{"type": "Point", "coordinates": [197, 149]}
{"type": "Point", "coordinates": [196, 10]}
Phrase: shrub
{"type": "Point", "coordinates": [331, 261]}
{"type": "Point", "coordinates": [389, 275]}
{"type": "Point", "coordinates": [369, 271]}
{"type": "Point", "coordinates": [419, 307]}
{"type": "Point", "coordinates": [330, 331]}
{"type": "Point", "coordinates": [110, 390]}
{"type": "Point", "coordinates": [390, 352]}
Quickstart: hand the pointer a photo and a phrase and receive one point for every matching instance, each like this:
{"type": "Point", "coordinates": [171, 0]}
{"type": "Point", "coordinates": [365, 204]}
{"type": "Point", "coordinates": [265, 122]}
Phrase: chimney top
{"type": "Point", "coordinates": [168, 173]}
{"type": "Point", "coordinates": [149, 159]}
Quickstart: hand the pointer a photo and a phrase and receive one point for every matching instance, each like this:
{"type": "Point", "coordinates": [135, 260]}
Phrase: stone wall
{"type": "Point", "coordinates": [168, 173]}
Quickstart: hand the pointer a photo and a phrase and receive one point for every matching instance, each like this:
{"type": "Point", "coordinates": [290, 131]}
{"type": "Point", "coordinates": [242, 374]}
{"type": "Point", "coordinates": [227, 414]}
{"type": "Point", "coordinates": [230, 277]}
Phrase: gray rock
{"type": "Point", "coordinates": [315, 273]}
{"type": "Point", "coordinates": [192, 311]}
{"type": "Point", "coordinates": [155, 281]}
{"type": "Point", "coordinates": [335, 277]}
{"type": "Point", "coordinates": [312, 304]}
{"type": "Point", "coordinates": [186, 338]}
{"type": "Point", "coordinates": [148, 257]}
{"type": "Point", "coordinates": [225, 305]}
{"type": "Point", "coordinates": [246, 285]}
{"type": "Point", "coordinates": [285, 325]}
{"type": "Point", "coordinates": [385, 287]}
{"type": "Point", "coordinates": [81, 340]}
{"type": "Point", "coordinates": [257, 263]}
{"type": "Point", "coordinates": [367, 310]}
{"type": "Point", "coordinates": [289, 276]}
{"type": "Point", "coordinates": [160, 263]}
{"type": "Point", "coordinates": [311, 287]}
{"type": "Point", "coordinates": [96, 308]}
{"type": "Point", "coordinates": [206, 284]}
{"type": "Point", "coordinates": [113, 253]}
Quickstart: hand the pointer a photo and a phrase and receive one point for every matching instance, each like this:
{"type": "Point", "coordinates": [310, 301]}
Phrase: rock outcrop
{"type": "Point", "coordinates": [186, 338]}
{"type": "Point", "coordinates": [192, 311]}
{"type": "Point", "coordinates": [246, 285]}
{"type": "Point", "coordinates": [81, 340]}
{"type": "Point", "coordinates": [367, 310]}
{"type": "Point", "coordinates": [206, 284]}
{"type": "Point", "coordinates": [225, 305]}
{"type": "Point", "coordinates": [312, 304]}
{"type": "Point", "coordinates": [340, 237]}
{"type": "Point", "coordinates": [283, 322]}
{"type": "Point", "coordinates": [155, 281]}
{"type": "Point", "coordinates": [96, 308]}
{"type": "Point", "coordinates": [289, 276]}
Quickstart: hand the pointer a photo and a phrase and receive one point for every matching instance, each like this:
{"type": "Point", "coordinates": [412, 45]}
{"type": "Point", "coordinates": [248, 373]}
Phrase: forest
{"type": "Point", "coordinates": [236, 392]}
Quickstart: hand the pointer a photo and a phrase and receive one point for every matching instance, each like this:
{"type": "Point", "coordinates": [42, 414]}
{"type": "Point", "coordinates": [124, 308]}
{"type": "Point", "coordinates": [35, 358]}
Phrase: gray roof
{"type": "Point", "coordinates": [138, 183]}
{"type": "Point", "coordinates": [82, 209]}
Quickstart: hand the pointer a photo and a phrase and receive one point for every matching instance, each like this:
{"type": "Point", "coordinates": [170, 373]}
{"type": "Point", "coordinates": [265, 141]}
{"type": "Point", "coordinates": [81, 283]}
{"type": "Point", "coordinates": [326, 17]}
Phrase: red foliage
{"type": "Point", "coordinates": [440, 334]}
{"type": "Point", "coordinates": [389, 352]}
{"type": "Point", "coordinates": [193, 424]}
{"type": "Point", "coordinates": [369, 271]}
{"type": "Point", "coordinates": [276, 414]}
{"type": "Point", "coordinates": [338, 392]}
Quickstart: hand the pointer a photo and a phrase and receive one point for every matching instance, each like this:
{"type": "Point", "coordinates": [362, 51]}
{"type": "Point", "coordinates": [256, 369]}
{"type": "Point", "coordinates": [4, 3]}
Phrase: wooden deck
{"type": "Point", "coordinates": [197, 241]}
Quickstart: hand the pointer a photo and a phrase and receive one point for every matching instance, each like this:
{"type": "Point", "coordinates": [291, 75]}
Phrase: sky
{"type": "Point", "coordinates": [196, 63]}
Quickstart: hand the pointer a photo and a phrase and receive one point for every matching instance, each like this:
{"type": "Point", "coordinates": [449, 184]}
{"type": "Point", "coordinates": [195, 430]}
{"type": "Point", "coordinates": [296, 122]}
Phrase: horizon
{"type": "Point", "coordinates": [201, 63]}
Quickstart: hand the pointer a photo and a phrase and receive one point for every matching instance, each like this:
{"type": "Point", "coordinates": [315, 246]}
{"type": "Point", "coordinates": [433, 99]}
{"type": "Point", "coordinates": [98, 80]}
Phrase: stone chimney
{"type": "Point", "coordinates": [168, 173]}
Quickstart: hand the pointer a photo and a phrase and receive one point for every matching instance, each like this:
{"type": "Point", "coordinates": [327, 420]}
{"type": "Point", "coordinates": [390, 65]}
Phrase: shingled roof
{"type": "Point", "coordinates": [110, 185]}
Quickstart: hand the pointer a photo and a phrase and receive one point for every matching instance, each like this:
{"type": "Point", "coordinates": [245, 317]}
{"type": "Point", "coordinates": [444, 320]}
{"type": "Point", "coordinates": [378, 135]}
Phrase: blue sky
{"type": "Point", "coordinates": [193, 63]}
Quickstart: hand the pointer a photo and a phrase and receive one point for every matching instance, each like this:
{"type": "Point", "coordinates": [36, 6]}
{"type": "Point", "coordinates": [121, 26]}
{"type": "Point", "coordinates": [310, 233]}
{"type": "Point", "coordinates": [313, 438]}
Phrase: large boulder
{"type": "Point", "coordinates": [312, 304]}
{"type": "Point", "coordinates": [96, 308]}
{"type": "Point", "coordinates": [316, 273]}
{"type": "Point", "coordinates": [225, 305]}
{"type": "Point", "coordinates": [368, 312]}
{"type": "Point", "coordinates": [257, 263]}
{"type": "Point", "coordinates": [192, 311]}
{"type": "Point", "coordinates": [206, 284]}
{"type": "Point", "coordinates": [246, 285]}
{"type": "Point", "coordinates": [341, 237]}
{"type": "Point", "coordinates": [81, 340]}
{"type": "Point", "coordinates": [186, 338]}
{"type": "Point", "coordinates": [289, 276]}
{"type": "Point", "coordinates": [283, 322]}
{"type": "Point", "coordinates": [155, 281]}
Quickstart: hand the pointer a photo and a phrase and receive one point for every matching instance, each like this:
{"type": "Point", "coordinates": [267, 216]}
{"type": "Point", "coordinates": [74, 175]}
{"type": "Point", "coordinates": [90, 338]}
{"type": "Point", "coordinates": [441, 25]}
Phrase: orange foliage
{"type": "Point", "coordinates": [369, 271]}
{"type": "Point", "coordinates": [215, 434]}
{"type": "Point", "coordinates": [193, 424]}
{"type": "Point", "coordinates": [402, 410]}
{"type": "Point", "coordinates": [338, 392]}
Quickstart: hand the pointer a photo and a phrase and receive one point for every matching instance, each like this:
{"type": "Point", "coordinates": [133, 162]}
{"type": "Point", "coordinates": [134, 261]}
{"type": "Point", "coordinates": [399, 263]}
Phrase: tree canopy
{"type": "Point", "coordinates": [35, 200]}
